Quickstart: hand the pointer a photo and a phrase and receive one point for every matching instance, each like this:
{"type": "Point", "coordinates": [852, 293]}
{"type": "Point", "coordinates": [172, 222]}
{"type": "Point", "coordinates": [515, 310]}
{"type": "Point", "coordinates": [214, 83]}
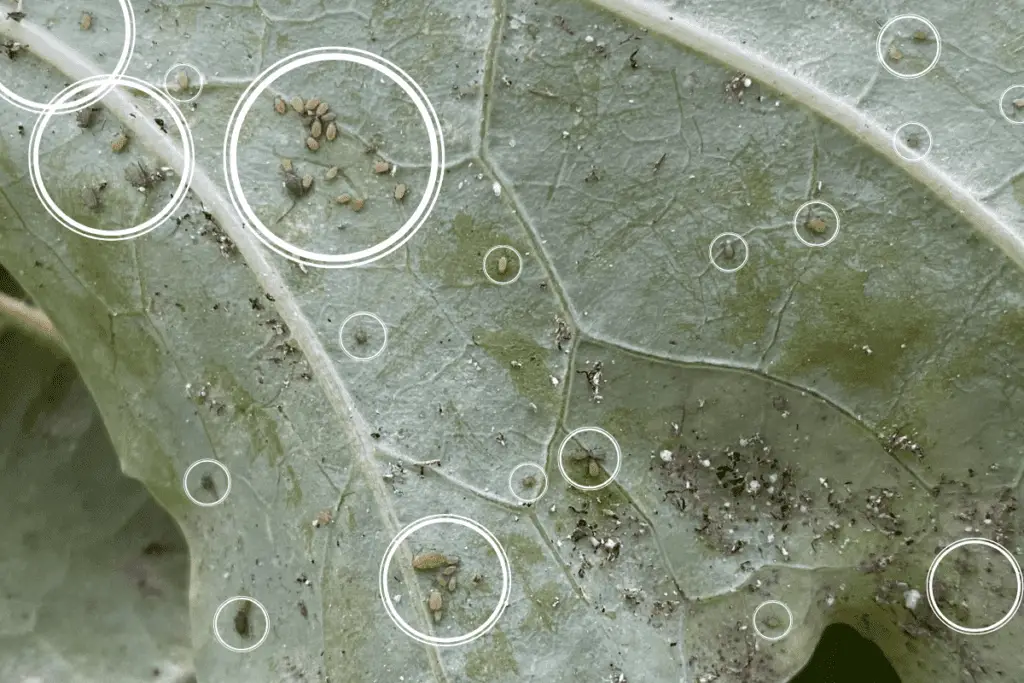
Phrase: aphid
{"type": "Point", "coordinates": [182, 80]}
{"type": "Point", "coordinates": [323, 518]}
{"type": "Point", "coordinates": [307, 182]}
{"type": "Point", "coordinates": [449, 570]}
{"type": "Point", "coordinates": [1018, 104]}
{"type": "Point", "coordinates": [92, 197]}
{"type": "Point", "coordinates": [452, 582]}
{"type": "Point", "coordinates": [343, 199]}
{"type": "Point", "coordinates": [895, 54]}
{"type": "Point", "coordinates": [279, 105]}
{"type": "Point", "coordinates": [86, 23]}
{"type": "Point", "coordinates": [442, 581]}
{"type": "Point", "coordinates": [361, 339]}
{"type": "Point", "coordinates": [85, 117]}
{"type": "Point", "coordinates": [328, 117]}
{"type": "Point", "coordinates": [119, 143]}
{"type": "Point", "coordinates": [728, 250]}
{"type": "Point", "coordinates": [286, 165]}
{"type": "Point", "coordinates": [357, 204]}
{"type": "Point", "coordinates": [312, 144]}
{"type": "Point", "coordinates": [435, 602]}
{"type": "Point", "coordinates": [298, 105]}
{"type": "Point", "coordinates": [312, 104]}
{"type": "Point", "coordinates": [381, 167]}
{"type": "Point", "coordinates": [332, 130]}
{"type": "Point", "coordinates": [428, 560]}
{"type": "Point", "coordinates": [242, 625]}
{"type": "Point", "coordinates": [316, 129]}
{"type": "Point", "coordinates": [400, 191]}
{"type": "Point", "coordinates": [332, 173]}
{"type": "Point", "coordinates": [593, 468]}
{"type": "Point", "coordinates": [529, 481]}
{"type": "Point", "coordinates": [502, 265]}
{"type": "Point", "coordinates": [12, 48]}
{"type": "Point", "coordinates": [207, 484]}
{"type": "Point", "coordinates": [296, 186]}
{"type": "Point", "coordinates": [913, 140]}
{"type": "Point", "coordinates": [817, 226]}
{"type": "Point", "coordinates": [322, 109]}
{"type": "Point", "coordinates": [920, 36]}
{"type": "Point", "coordinates": [302, 610]}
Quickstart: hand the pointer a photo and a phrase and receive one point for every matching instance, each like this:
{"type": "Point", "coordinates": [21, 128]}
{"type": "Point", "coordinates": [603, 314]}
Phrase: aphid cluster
{"type": "Point", "coordinates": [446, 568]}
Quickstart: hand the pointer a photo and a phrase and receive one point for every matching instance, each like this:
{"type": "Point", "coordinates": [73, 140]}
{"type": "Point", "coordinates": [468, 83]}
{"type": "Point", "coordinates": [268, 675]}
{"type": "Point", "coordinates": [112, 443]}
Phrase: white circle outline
{"type": "Point", "coordinates": [223, 496]}
{"type": "Point", "coordinates": [543, 489]}
{"type": "Point", "coordinates": [1003, 113]}
{"type": "Point", "coordinates": [881, 57]}
{"type": "Point", "coordinates": [618, 458]}
{"type": "Point", "coordinates": [753, 620]}
{"type": "Point", "coordinates": [35, 171]}
{"type": "Point", "coordinates": [519, 257]}
{"type": "Point", "coordinates": [796, 228]}
{"type": "Point", "coordinates": [341, 335]}
{"type": "Point", "coordinates": [313, 56]}
{"type": "Point", "coordinates": [896, 147]}
{"type": "Point", "coordinates": [929, 589]}
{"type": "Point", "coordinates": [70, 107]}
{"type": "Point", "coordinates": [266, 623]}
{"type": "Point", "coordinates": [202, 83]}
{"type": "Point", "coordinates": [506, 580]}
{"type": "Point", "coordinates": [711, 251]}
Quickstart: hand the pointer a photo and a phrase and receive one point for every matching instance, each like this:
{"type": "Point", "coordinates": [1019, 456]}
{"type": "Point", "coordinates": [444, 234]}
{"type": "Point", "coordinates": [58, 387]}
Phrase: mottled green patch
{"type": "Point", "coordinates": [749, 305]}
{"type": "Point", "coordinates": [293, 492]}
{"type": "Point", "coordinates": [541, 616]}
{"type": "Point", "coordinates": [492, 660]}
{"type": "Point", "coordinates": [524, 549]}
{"type": "Point", "coordinates": [533, 379]}
{"type": "Point", "coordinates": [461, 264]}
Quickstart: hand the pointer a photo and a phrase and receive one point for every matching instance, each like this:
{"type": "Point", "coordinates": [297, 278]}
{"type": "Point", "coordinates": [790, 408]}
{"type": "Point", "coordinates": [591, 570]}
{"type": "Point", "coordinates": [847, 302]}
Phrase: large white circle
{"type": "Point", "coordinates": [341, 335]}
{"type": "Point", "coordinates": [788, 614]}
{"type": "Point", "coordinates": [223, 496]}
{"type": "Point", "coordinates": [796, 227]}
{"type": "Point", "coordinates": [929, 588]}
{"type": "Point", "coordinates": [711, 252]}
{"type": "Point", "coordinates": [266, 623]}
{"type": "Point", "coordinates": [1002, 112]}
{"type": "Point", "coordinates": [881, 56]}
{"type": "Point", "coordinates": [543, 488]}
{"type": "Point", "coordinates": [70, 107]}
{"type": "Point", "coordinates": [611, 477]}
{"type": "Point", "coordinates": [336, 54]}
{"type": "Point", "coordinates": [896, 145]}
{"type": "Point", "coordinates": [67, 221]}
{"type": "Point", "coordinates": [506, 580]}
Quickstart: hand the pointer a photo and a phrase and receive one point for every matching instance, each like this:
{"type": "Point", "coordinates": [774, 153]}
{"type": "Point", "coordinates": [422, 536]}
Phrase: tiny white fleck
{"type": "Point", "coordinates": [747, 82]}
{"type": "Point", "coordinates": [911, 598]}
{"type": "Point", "coordinates": [589, 39]}
{"type": "Point", "coordinates": [554, 380]}
{"type": "Point", "coordinates": [666, 455]}
{"type": "Point", "coordinates": [496, 188]}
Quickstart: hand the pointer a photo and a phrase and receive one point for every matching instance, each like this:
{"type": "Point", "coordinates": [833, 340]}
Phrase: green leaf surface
{"type": "Point", "coordinates": [812, 428]}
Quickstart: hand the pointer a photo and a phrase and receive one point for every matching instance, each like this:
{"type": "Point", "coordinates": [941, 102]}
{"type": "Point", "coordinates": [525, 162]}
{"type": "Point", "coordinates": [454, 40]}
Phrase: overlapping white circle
{"type": "Point", "coordinates": [711, 252]}
{"type": "Point", "coordinates": [611, 477]}
{"type": "Point", "coordinates": [1002, 111]}
{"type": "Point", "coordinates": [423, 106]}
{"type": "Point", "coordinates": [210, 461]}
{"type": "Point", "coordinates": [896, 143]}
{"type": "Point", "coordinates": [199, 90]}
{"type": "Point", "coordinates": [341, 335]}
{"type": "Point", "coordinates": [930, 589]}
{"type": "Point", "coordinates": [506, 580]}
{"type": "Point", "coordinates": [67, 221]}
{"type": "Point", "coordinates": [120, 69]}
{"type": "Point", "coordinates": [789, 614]}
{"type": "Point", "coordinates": [519, 264]}
{"type": "Point", "coordinates": [796, 226]}
{"type": "Point", "coordinates": [266, 624]}
{"type": "Point", "coordinates": [543, 489]}
{"type": "Point", "coordinates": [881, 56]}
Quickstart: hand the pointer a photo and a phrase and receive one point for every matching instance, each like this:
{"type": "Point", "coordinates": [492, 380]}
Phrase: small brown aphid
{"type": "Point", "coordinates": [286, 165]}
{"type": "Point", "coordinates": [298, 105]}
{"type": "Point", "coordinates": [279, 105]}
{"type": "Point", "coordinates": [361, 339]}
{"type": "Point", "coordinates": [332, 130]}
{"type": "Point", "coordinates": [322, 109]}
{"type": "Point", "coordinates": [913, 141]}
{"type": "Point", "coordinates": [817, 226]}
{"type": "Point", "coordinates": [920, 36]}
{"type": "Point", "coordinates": [182, 79]}
{"type": "Point", "coordinates": [242, 625]}
{"type": "Point", "coordinates": [307, 182]}
{"type": "Point", "coordinates": [449, 570]}
{"type": "Point", "coordinates": [332, 173]}
{"type": "Point", "coordinates": [92, 196]}
{"type": "Point", "coordinates": [302, 610]}
{"type": "Point", "coordinates": [729, 251]}
{"type": "Point", "coordinates": [400, 191]}
{"type": "Point", "coordinates": [328, 117]}
{"type": "Point", "coordinates": [452, 583]}
{"type": "Point", "coordinates": [312, 104]}
{"type": "Point", "coordinates": [1018, 104]}
{"type": "Point", "coordinates": [119, 143]}
{"type": "Point", "coordinates": [312, 144]}
{"type": "Point", "coordinates": [295, 185]}
{"type": "Point", "coordinates": [316, 129]}
{"type": "Point", "coordinates": [357, 204]}
{"type": "Point", "coordinates": [423, 561]}
{"type": "Point", "coordinates": [502, 265]}
{"type": "Point", "coordinates": [442, 581]}
{"type": "Point", "coordinates": [529, 481]}
{"type": "Point", "coordinates": [86, 117]}
{"type": "Point", "coordinates": [343, 199]}
{"type": "Point", "coordinates": [207, 484]}
{"type": "Point", "coordinates": [86, 23]}
{"type": "Point", "coordinates": [435, 602]}
{"type": "Point", "coordinates": [381, 167]}
{"type": "Point", "coordinates": [593, 468]}
{"type": "Point", "coordinates": [895, 54]}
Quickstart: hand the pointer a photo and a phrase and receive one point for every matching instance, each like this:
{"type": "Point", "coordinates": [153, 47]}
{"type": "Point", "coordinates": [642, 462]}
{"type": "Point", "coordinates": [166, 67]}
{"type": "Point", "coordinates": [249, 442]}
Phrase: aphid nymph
{"type": "Point", "coordinates": [400, 191]}
{"type": "Point", "coordinates": [242, 621]}
{"type": "Point", "coordinates": [85, 117]}
{"type": "Point", "coordinates": [332, 130]}
{"type": "Point", "coordinates": [207, 484]}
{"type": "Point", "coordinates": [119, 143]}
{"type": "Point", "coordinates": [182, 80]}
{"type": "Point", "coordinates": [502, 265]}
{"type": "Point", "coordinates": [361, 336]}
{"type": "Point", "coordinates": [86, 23]}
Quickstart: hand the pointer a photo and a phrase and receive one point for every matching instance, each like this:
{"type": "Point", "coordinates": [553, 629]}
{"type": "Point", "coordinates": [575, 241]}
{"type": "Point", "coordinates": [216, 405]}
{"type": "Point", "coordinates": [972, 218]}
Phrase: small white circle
{"type": "Point", "coordinates": [789, 615]}
{"type": "Point", "coordinates": [930, 591]}
{"type": "Point", "coordinates": [427, 114]}
{"type": "Point", "coordinates": [1002, 108]}
{"type": "Point", "coordinates": [611, 477]}
{"type": "Point", "coordinates": [543, 488]}
{"type": "Point", "coordinates": [266, 623]}
{"type": "Point", "coordinates": [120, 69]}
{"type": "Point", "coordinates": [881, 56]}
{"type": "Point", "coordinates": [341, 335]}
{"type": "Point", "coordinates": [35, 172]}
{"type": "Point", "coordinates": [729, 235]}
{"type": "Point", "coordinates": [519, 264]}
{"type": "Point", "coordinates": [897, 145]}
{"type": "Point", "coordinates": [506, 580]}
{"type": "Point", "coordinates": [207, 461]}
{"type": "Point", "coordinates": [796, 227]}
{"type": "Point", "coordinates": [199, 88]}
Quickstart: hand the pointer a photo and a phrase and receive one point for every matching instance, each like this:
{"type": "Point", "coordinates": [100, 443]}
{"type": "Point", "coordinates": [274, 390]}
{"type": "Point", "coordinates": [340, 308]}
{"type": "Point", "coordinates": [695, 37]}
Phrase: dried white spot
{"type": "Point", "coordinates": [911, 598]}
{"type": "Point", "coordinates": [496, 188]}
{"type": "Point", "coordinates": [554, 381]}
{"type": "Point", "coordinates": [666, 455]}
{"type": "Point", "coordinates": [589, 39]}
{"type": "Point", "coordinates": [747, 82]}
